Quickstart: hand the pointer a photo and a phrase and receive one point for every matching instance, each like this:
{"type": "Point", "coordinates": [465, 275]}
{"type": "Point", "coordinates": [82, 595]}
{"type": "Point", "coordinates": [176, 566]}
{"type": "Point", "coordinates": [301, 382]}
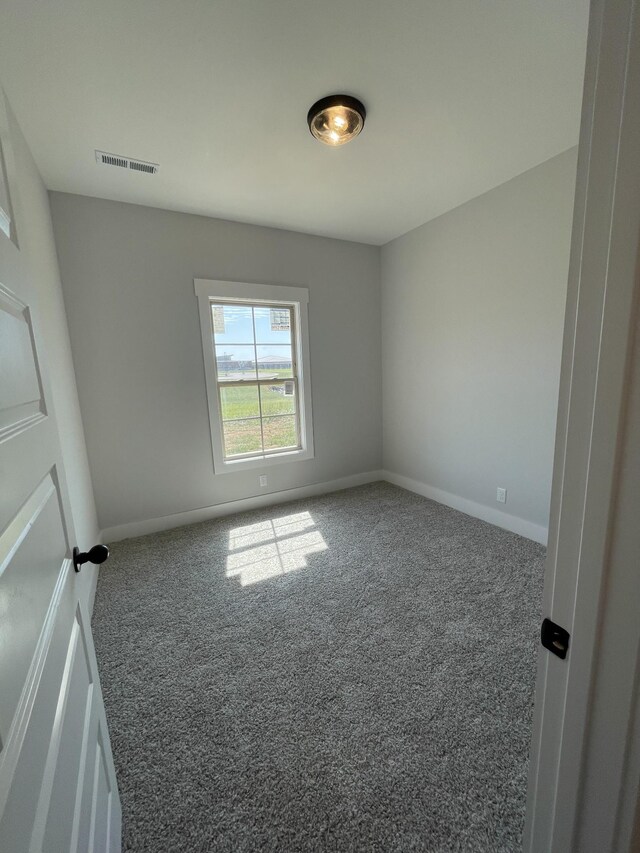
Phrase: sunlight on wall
{"type": "Point", "coordinates": [271, 548]}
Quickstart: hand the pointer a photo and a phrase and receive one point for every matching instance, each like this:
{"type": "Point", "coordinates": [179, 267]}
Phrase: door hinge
{"type": "Point", "coordinates": [554, 638]}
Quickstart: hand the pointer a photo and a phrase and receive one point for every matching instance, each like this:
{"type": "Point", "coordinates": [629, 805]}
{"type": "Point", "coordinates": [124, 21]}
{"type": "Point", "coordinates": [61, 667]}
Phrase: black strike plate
{"type": "Point", "coordinates": [554, 638]}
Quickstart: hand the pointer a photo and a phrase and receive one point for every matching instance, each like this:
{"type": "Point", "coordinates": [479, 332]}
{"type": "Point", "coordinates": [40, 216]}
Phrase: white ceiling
{"type": "Point", "coordinates": [461, 96]}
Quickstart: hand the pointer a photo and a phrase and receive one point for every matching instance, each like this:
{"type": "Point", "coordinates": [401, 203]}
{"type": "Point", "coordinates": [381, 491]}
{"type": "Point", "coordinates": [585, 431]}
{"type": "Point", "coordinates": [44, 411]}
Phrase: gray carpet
{"type": "Point", "coordinates": [352, 672]}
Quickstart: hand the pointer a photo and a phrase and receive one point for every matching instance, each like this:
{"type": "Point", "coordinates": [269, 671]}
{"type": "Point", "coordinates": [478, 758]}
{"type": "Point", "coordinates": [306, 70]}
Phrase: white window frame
{"type": "Point", "coordinates": [208, 292]}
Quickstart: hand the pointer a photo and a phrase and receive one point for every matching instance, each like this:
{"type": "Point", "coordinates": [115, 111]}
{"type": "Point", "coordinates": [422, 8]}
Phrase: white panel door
{"type": "Point", "coordinates": [57, 782]}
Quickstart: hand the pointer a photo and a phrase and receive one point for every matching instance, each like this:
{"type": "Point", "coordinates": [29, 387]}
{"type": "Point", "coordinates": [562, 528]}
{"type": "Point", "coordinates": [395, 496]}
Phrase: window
{"type": "Point", "coordinates": [255, 340]}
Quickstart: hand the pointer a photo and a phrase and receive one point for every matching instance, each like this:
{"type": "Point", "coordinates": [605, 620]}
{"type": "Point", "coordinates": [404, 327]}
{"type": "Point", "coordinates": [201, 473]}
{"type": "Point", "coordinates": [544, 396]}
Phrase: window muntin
{"type": "Point", "coordinates": [257, 378]}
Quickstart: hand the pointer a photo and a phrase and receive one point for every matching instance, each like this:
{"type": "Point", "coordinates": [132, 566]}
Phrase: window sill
{"type": "Point", "coordinates": [234, 466]}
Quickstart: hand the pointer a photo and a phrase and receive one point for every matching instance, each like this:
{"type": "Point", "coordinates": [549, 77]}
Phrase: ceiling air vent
{"type": "Point", "coordinates": [105, 159]}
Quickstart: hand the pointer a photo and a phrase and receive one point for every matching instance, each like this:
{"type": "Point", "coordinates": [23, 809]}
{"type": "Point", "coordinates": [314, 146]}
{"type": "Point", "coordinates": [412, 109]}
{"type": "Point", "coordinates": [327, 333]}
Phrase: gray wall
{"type": "Point", "coordinates": [128, 287]}
{"type": "Point", "coordinates": [31, 208]}
{"type": "Point", "coordinates": [472, 320]}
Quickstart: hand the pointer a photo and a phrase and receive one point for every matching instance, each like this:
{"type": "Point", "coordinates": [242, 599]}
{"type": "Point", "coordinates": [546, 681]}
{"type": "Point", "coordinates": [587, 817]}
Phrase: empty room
{"type": "Point", "coordinates": [319, 426]}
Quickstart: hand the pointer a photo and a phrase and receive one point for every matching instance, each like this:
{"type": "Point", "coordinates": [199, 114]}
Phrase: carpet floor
{"type": "Point", "coordinates": [351, 672]}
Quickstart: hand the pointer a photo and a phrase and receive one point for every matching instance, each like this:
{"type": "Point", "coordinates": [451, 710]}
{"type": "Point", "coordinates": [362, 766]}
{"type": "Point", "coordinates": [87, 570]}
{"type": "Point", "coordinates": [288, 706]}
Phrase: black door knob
{"type": "Point", "coordinates": [97, 554]}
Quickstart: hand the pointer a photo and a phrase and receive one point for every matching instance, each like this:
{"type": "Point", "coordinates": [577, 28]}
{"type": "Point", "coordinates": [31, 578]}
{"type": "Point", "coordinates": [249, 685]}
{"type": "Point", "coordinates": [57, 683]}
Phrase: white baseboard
{"type": "Point", "coordinates": [179, 519]}
{"type": "Point", "coordinates": [494, 516]}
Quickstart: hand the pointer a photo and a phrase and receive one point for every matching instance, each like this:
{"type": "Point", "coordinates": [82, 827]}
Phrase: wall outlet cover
{"type": "Point", "coordinates": [501, 496]}
{"type": "Point", "coordinates": [263, 480]}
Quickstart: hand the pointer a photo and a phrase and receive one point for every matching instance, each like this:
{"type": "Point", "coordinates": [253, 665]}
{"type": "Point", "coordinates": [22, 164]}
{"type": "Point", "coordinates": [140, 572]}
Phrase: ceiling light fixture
{"type": "Point", "coordinates": [336, 119]}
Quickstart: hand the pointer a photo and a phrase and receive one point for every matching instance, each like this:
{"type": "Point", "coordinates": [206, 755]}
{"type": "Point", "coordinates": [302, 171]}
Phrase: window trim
{"type": "Point", "coordinates": [208, 292]}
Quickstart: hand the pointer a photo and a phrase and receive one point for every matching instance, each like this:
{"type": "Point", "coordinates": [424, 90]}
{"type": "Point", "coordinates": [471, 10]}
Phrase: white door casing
{"type": "Point", "coordinates": [584, 776]}
{"type": "Point", "coordinates": [58, 789]}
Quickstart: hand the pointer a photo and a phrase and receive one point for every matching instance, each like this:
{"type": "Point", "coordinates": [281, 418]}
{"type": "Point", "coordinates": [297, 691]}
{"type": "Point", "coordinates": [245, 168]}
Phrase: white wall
{"type": "Point", "coordinates": [472, 320]}
{"type": "Point", "coordinates": [472, 313]}
{"type": "Point", "coordinates": [31, 207]}
{"type": "Point", "coordinates": [128, 285]}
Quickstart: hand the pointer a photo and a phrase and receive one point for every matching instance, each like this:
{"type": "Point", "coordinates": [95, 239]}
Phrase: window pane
{"type": "Point", "coordinates": [279, 398]}
{"type": "Point", "coordinates": [232, 324]}
{"type": "Point", "coordinates": [279, 432]}
{"type": "Point", "coordinates": [235, 363]}
{"type": "Point", "coordinates": [273, 325]}
{"type": "Point", "coordinates": [274, 361]}
{"type": "Point", "coordinates": [240, 402]}
{"type": "Point", "coordinates": [242, 437]}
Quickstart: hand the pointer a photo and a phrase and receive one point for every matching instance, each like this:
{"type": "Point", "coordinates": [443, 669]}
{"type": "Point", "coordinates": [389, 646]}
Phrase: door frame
{"type": "Point", "coordinates": [579, 784]}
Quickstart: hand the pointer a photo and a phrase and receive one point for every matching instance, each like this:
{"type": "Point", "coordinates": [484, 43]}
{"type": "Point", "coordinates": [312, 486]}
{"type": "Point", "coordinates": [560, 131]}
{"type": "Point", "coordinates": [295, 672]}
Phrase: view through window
{"type": "Point", "coordinates": [257, 378]}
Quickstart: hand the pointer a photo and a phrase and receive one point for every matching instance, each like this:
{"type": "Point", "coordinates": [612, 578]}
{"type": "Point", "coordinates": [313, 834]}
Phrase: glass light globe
{"type": "Point", "coordinates": [336, 120]}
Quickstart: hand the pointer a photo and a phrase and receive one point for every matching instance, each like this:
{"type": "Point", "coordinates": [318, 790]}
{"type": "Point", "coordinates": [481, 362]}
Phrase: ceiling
{"type": "Point", "coordinates": [461, 95]}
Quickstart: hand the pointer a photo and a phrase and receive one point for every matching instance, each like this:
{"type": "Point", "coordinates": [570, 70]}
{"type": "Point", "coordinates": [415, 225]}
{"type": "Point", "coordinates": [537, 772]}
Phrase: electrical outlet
{"type": "Point", "coordinates": [501, 496]}
{"type": "Point", "coordinates": [263, 480]}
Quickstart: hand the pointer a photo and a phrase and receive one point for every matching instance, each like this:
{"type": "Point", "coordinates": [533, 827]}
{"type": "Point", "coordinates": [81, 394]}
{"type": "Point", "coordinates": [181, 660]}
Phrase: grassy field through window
{"type": "Point", "coordinates": [241, 408]}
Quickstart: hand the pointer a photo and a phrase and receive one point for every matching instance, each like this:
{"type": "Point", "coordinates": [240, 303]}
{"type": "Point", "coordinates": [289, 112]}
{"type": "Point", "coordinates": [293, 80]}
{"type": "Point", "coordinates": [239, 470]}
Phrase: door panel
{"type": "Point", "coordinates": [24, 758]}
{"type": "Point", "coordinates": [78, 718]}
{"type": "Point", "coordinates": [58, 790]}
{"type": "Point", "coordinates": [31, 544]}
{"type": "Point", "coordinates": [86, 822]}
{"type": "Point", "coordinates": [56, 817]}
{"type": "Point", "coordinates": [63, 743]}
{"type": "Point", "coordinates": [20, 390]}
{"type": "Point", "coordinates": [101, 806]}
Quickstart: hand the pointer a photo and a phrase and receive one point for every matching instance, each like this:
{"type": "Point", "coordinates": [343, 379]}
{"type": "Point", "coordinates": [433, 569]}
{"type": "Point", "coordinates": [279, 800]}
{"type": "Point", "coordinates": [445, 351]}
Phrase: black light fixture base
{"type": "Point", "coordinates": [336, 101]}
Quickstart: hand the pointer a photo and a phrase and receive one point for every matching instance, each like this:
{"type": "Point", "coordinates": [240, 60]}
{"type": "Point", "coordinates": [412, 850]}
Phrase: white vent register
{"type": "Point", "coordinates": [103, 158]}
